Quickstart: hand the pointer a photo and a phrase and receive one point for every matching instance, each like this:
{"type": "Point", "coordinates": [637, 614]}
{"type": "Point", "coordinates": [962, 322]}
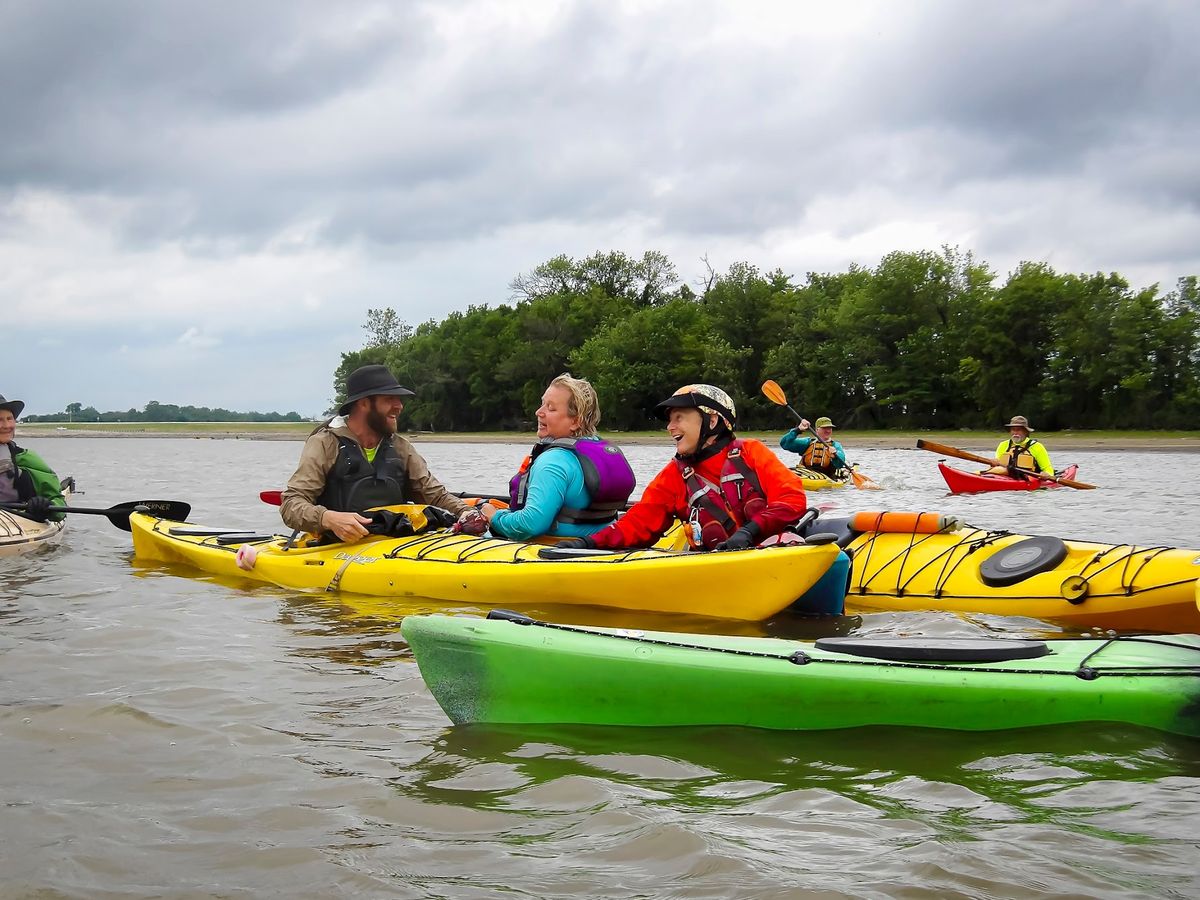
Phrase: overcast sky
{"type": "Point", "coordinates": [200, 201]}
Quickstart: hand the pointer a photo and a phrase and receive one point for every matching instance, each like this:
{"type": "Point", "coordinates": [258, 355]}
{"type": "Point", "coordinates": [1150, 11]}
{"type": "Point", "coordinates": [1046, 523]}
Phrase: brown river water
{"type": "Point", "coordinates": [171, 735]}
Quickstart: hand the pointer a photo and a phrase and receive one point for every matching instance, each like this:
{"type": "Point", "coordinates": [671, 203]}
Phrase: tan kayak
{"type": "Point", "coordinates": [19, 535]}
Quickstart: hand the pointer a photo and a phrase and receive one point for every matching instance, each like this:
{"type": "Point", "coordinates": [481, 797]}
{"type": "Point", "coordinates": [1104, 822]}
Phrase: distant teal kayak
{"type": "Point", "coordinates": [509, 669]}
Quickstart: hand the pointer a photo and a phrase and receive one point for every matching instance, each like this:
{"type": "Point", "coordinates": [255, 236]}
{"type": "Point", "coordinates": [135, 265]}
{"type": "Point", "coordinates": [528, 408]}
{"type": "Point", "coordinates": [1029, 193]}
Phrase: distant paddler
{"type": "Point", "coordinates": [821, 448]}
{"type": "Point", "coordinates": [820, 453]}
{"type": "Point", "coordinates": [1020, 451]}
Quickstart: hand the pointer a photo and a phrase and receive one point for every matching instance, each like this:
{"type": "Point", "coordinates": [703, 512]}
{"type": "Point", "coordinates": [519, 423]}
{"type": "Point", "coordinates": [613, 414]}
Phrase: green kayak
{"type": "Point", "coordinates": [509, 669]}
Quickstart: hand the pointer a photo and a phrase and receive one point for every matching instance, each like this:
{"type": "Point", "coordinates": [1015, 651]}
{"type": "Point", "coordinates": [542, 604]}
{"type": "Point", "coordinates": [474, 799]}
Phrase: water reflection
{"type": "Point", "coordinates": [841, 800]}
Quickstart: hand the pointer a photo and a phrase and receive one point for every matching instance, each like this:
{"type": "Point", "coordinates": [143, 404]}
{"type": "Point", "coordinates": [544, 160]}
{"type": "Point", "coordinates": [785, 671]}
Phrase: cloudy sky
{"type": "Point", "coordinates": [200, 201]}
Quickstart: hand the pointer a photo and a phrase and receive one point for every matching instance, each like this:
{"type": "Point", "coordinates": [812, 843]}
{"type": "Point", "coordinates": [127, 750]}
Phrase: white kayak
{"type": "Point", "coordinates": [19, 535]}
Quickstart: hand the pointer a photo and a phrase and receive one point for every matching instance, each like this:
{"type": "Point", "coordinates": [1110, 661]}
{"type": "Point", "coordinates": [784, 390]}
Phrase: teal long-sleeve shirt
{"type": "Point", "coordinates": [555, 481]}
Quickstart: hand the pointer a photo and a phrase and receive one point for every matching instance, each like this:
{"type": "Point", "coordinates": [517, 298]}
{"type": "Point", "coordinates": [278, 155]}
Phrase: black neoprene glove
{"type": "Point", "coordinates": [38, 509]}
{"type": "Point", "coordinates": [746, 536]}
{"type": "Point", "coordinates": [579, 543]}
{"type": "Point", "coordinates": [438, 517]}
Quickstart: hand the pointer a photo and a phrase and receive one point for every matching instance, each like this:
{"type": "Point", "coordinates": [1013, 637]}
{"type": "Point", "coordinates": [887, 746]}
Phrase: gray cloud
{"type": "Point", "coordinates": [352, 154]}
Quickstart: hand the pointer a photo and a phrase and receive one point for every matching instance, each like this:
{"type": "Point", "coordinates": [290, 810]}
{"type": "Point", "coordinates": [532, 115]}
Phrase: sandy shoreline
{"type": "Point", "coordinates": [859, 441]}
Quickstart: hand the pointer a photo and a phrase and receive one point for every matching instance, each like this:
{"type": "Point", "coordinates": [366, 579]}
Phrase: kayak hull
{"type": "Point", "coordinates": [502, 672]}
{"type": "Point", "coordinates": [961, 482]}
{"type": "Point", "coordinates": [19, 535]}
{"type": "Point", "coordinates": [1084, 584]}
{"type": "Point", "coordinates": [749, 585]}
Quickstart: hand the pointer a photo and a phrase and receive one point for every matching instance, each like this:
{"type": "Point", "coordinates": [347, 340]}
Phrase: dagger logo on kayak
{"type": "Point", "coordinates": [356, 557]}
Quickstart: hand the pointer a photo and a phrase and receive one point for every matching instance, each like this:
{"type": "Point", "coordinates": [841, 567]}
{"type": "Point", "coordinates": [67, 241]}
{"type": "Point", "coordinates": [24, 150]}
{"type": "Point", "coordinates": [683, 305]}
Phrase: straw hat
{"type": "Point", "coordinates": [1020, 422]}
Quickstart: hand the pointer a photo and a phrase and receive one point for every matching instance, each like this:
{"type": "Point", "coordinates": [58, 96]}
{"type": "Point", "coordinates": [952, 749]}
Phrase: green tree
{"type": "Point", "coordinates": [384, 328]}
{"type": "Point", "coordinates": [639, 360]}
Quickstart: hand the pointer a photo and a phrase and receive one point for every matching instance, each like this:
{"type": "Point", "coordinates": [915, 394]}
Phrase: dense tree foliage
{"type": "Point", "coordinates": [924, 339]}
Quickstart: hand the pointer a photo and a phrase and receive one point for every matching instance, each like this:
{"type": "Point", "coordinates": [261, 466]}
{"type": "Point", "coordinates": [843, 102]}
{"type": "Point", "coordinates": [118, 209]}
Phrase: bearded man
{"type": "Point", "coordinates": [356, 461]}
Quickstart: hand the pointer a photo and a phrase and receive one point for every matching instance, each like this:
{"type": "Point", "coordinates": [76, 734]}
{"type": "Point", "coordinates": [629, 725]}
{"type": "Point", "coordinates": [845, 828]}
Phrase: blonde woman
{"type": "Point", "coordinates": [573, 483]}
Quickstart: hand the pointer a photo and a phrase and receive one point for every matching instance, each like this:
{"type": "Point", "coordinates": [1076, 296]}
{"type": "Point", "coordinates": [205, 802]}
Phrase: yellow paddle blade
{"type": "Point", "coordinates": [773, 392]}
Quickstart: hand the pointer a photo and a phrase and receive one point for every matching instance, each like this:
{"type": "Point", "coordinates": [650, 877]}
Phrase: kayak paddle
{"type": "Point", "coordinates": [275, 498]}
{"type": "Point", "coordinates": [175, 510]}
{"type": "Point", "coordinates": [773, 392]}
{"type": "Point", "coordinates": [947, 450]}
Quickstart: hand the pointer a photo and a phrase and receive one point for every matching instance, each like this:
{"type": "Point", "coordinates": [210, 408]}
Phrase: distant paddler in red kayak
{"type": "Point", "coordinates": [1020, 451]}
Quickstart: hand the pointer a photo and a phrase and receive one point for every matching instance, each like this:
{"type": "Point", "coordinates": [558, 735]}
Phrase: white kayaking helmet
{"type": "Point", "coordinates": [704, 397]}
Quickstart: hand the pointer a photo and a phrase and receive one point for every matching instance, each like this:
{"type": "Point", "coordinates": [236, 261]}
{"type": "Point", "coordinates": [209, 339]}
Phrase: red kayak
{"type": "Point", "coordinates": [971, 483]}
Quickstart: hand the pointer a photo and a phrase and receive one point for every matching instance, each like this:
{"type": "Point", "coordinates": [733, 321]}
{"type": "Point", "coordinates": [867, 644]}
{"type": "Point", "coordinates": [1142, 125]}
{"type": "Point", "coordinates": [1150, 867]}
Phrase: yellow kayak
{"type": "Point", "coordinates": [749, 585]}
{"type": "Point", "coordinates": [946, 565]}
{"type": "Point", "coordinates": [816, 481]}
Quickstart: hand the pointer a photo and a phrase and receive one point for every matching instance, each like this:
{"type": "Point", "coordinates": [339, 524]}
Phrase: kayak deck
{"type": "Point", "coordinates": [967, 569]}
{"type": "Point", "coordinates": [512, 672]}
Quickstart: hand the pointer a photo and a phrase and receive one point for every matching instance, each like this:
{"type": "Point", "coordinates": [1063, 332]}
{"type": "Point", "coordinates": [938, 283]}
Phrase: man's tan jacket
{"type": "Point", "coordinates": [300, 510]}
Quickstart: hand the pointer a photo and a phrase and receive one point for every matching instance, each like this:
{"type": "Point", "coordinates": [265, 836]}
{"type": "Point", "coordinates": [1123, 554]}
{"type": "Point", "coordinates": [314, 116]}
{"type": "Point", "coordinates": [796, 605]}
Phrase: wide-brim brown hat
{"type": "Point", "coordinates": [13, 406]}
{"type": "Point", "coordinates": [1020, 422]}
{"type": "Point", "coordinates": [369, 381]}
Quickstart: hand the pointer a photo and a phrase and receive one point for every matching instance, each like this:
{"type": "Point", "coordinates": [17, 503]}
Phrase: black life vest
{"type": "Point", "coordinates": [20, 479]}
{"type": "Point", "coordinates": [353, 484]}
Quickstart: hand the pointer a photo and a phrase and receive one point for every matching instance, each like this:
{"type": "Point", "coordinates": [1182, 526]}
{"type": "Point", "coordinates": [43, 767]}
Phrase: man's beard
{"type": "Point", "coordinates": [379, 423]}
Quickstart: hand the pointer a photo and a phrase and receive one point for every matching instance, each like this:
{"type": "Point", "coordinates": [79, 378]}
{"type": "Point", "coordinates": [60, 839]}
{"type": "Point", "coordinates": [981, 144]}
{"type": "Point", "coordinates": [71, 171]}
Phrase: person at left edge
{"type": "Point", "coordinates": [573, 483]}
{"type": "Point", "coordinates": [356, 461]}
{"type": "Point", "coordinates": [24, 476]}
{"type": "Point", "coordinates": [733, 493]}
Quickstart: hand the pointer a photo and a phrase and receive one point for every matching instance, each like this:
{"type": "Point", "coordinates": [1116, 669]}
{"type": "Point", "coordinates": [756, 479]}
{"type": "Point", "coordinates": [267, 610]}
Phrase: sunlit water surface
{"type": "Point", "coordinates": [169, 736]}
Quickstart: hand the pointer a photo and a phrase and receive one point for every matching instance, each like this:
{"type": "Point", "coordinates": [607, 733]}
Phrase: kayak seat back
{"type": "Point", "coordinates": [1019, 561]}
{"type": "Point", "coordinates": [906, 649]}
{"type": "Point", "coordinates": [839, 526]}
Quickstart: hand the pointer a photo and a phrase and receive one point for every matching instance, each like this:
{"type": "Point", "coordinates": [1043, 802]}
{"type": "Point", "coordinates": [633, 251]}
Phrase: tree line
{"type": "Point", "coordinates": [922, 340]}
{"type": "Point", "coordinates": [161, 412]}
